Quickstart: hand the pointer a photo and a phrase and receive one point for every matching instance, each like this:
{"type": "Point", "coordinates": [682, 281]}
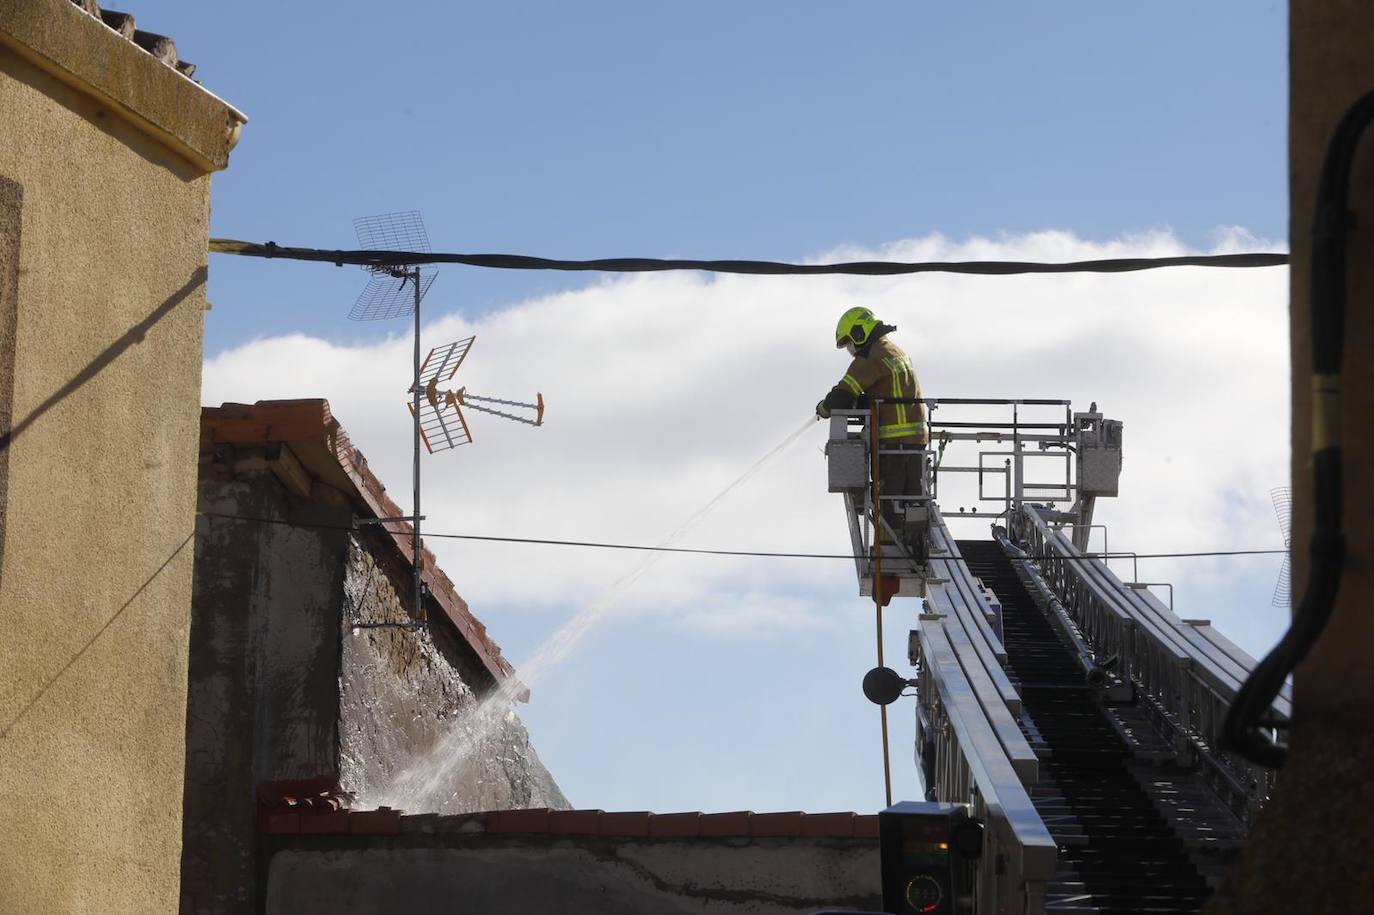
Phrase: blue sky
{"type": "Point", "coordinates": [763, 129]}
{"type": "Point", "coordinates": [772, 130]}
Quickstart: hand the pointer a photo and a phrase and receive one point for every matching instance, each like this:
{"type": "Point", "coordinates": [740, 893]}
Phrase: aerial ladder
{"type": "Point", "coordinates": [1067, 721]}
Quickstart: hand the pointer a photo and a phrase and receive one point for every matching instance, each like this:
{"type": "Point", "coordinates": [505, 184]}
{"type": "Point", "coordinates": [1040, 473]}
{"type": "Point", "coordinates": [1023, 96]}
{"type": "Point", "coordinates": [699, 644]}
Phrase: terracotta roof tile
{"type": "Point", "coordinates": [279, 822]}
{"type": "Point", "coordinates": [380, 822]}
{"type": "Point", "coordinates": [325, 823]}
{"type": "Point", "coordinates": [573, 822]}
{"type": "Point", "coordinates": [776, 824]}
{"type": "Point", "coordinates": [636, 823]}
{"type": "Point", "coordinates": [532, 820]}
{"type": "Point", "coordinates": [839, 825]}
{"type": "Point", "coordinates": [726, 824]}
{"type": "Point", "coordinates": [675, 825]}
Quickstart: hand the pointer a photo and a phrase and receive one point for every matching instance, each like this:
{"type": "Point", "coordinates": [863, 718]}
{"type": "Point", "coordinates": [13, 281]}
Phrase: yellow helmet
{"type": "Point", "coordinates": [856, 325]}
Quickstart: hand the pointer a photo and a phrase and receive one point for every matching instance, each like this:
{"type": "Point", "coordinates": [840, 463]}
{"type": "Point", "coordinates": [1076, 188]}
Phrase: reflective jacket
{"type": "Point", "coordinates": [883, 370]}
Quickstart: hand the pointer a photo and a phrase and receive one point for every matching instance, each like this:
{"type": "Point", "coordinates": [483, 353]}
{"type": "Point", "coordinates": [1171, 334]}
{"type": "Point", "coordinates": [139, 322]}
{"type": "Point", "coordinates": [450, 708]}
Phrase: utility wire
{"type": "Point", "coordinates": [704, 552]}
{"type": "Point", "coordinates": [374, 258]}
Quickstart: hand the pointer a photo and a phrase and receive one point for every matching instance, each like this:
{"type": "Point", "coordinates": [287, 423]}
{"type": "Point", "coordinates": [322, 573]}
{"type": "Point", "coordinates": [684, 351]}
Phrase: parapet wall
{"type": "Point", "coordinates": [436, 862]}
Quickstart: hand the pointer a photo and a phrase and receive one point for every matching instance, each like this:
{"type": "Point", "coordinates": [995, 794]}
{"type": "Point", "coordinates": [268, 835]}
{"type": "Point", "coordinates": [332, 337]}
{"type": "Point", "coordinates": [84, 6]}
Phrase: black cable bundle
{"type": "Point", "coordinates": [1331, 225]}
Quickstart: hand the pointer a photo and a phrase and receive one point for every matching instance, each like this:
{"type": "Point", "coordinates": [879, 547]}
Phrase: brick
{"type": "Point", "coordinates": [776, 824]}
{"type": "Point", "coordinates": [535, 819]}
{"type": "Point", "coordinates": [426, 823]}
{"type": "Point", "coordinates": [279, 822]}
{"type": "Point", "coordinates": [325, 822]}
{"type": "Point", "coordinates": [675, 825]}
{"type": "Point", "coordinates": [573, 822]}
{"type": "Point", "coordinates": [380, 822]}
{"type": "Point", "coordinates": [626, 823]}
{"type": "Point", "coordinates": [828, 825]}
{"type": "Point", "coordinates": [735, 823]}
{"type": "Point", "coordinates": [866, 826]}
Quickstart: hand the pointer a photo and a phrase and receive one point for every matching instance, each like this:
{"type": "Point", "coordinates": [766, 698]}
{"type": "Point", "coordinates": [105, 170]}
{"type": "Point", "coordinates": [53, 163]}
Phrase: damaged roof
{"type": "Point", "coordinates": [324, 452]}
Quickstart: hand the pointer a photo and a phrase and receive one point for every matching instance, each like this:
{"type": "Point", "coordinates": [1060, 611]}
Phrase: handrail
{"type": "Point", "coordinates": [1189, 677]}
{"type": "Point", "coordinates": [971, 766]}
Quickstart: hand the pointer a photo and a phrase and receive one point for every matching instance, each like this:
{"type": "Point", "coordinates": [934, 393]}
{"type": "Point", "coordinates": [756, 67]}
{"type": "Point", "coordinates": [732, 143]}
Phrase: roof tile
{"type": "Point", "coordinates": [831, 825]}
{"type": "Point", "coordinates": [675, 825]}
{"type": "Point", "coordinates": [735, 823]}
{"type": "Point", "coordinates": [776, 824]}
{"type": "Point", "coordinates": [279, 822]}
{"type": "Point", "coordinates": [325, 822]}
{"type": "Point", "coordinates": [627, 823]}
{"type": "Point", "coordinates": [573, 822]}
{"type": "Point", "coordinates": [380, 822]}
{"type": "Point", "coordinates": [532, 820]}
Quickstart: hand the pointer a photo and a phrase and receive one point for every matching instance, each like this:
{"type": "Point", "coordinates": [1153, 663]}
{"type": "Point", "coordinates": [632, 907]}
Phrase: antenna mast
{"type": "Point", "coordinates": [385, 298]}
{"type": "Point", "coordinates": [437, 415]}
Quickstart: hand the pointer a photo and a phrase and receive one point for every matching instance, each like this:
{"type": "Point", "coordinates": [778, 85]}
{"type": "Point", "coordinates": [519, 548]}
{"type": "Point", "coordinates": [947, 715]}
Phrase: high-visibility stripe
{"type": "Point", "coordinates": [899, 430]}
{"type": "Point", "coordinates": [852, 383]}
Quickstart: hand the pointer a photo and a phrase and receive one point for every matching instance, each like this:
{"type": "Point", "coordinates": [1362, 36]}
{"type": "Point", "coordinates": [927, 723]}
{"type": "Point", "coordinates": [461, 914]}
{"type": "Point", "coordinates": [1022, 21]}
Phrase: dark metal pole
{"type": "Point", "coordinates": [418, 557]}
{"type": "Point", "coordinates": [875, 443]}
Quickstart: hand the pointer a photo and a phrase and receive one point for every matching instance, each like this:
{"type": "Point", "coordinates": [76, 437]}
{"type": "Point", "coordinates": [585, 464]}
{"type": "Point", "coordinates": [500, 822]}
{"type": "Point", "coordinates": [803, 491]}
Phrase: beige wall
{"type": "Point", "coordinates": [95, 575]}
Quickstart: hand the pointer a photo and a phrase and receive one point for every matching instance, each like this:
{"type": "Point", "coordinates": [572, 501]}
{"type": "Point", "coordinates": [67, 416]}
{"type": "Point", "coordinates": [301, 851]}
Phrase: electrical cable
{"type": "Point", "coordinates": [590, 544]}
{"type": "Point", "coordinates": [1331, 223]}
{"type": "Point", "coordinates": [375, 258]}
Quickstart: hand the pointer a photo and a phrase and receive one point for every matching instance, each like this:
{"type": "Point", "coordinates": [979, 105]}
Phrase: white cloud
{"type": "Point", "coordinates": [663, 388]}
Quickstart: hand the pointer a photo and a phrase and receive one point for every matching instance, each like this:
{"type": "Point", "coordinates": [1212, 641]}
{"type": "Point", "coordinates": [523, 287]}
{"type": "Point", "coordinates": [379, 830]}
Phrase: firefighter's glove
{"type": "Point", "coordinates": [822, 410]}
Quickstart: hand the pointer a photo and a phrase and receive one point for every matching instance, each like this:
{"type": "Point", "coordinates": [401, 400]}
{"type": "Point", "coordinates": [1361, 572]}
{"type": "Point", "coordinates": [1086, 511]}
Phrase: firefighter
{"type": "Point", "coordinates": [881, 370]}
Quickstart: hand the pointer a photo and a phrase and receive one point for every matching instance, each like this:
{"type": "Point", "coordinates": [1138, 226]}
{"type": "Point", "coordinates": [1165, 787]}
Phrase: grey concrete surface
{"type": "Point", "coordinates": [543, 875]}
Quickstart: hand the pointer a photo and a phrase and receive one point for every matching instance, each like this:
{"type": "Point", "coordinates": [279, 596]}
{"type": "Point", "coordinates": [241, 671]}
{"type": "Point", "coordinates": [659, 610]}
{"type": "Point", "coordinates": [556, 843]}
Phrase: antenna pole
{"type": "Point", "coordinates": [418, 558]}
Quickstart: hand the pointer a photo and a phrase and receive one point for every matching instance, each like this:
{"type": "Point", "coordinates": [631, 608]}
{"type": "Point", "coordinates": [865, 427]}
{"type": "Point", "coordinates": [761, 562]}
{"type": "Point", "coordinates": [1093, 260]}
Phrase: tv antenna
{"type": "Point", "coordinates": [440, 416]}
{"type": "Point", "coordinates": [395, 291]}
{"type": "Point", "coordinates": [1282, 497]}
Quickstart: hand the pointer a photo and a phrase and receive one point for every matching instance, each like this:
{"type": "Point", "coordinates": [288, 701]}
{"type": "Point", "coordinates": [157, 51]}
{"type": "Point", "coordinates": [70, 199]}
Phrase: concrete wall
{"type": "Point", "coordinates": [99, 447]}
{"type": "Point", "coordinates": [263, 694]}
{"type": "Point", "coordinates": [406, 692]}
{"type": "Point", "coordinates": [539, 874]}
{"type": "Point", "coordinates": [282, 686]}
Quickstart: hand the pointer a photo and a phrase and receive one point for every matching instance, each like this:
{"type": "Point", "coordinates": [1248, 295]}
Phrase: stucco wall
{"type": "Point", "coordinates": [503, 875]}
{"type": "Point", "coordinates": [403, 692]}
{"type": "Point", "coordinates": [95, 575]}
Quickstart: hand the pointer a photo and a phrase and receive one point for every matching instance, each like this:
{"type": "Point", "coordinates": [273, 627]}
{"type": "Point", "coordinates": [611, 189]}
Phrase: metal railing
{"type": "Point", "coordinates": [970, 765]}
{"type": "Point", "coordinates": [1186, 672]}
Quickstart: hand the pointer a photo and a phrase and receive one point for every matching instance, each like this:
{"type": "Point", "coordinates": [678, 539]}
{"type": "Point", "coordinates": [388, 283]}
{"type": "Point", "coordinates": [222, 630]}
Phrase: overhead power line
{"type": "Point", "coordinates": [767, 268]}
{"type": "Point", "coordinates": [591, 544]}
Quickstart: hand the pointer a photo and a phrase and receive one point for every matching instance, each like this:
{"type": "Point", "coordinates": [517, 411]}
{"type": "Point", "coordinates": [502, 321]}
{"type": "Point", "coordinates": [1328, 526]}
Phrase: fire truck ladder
{"type": "Point", "coordinates": [1074, 713]}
